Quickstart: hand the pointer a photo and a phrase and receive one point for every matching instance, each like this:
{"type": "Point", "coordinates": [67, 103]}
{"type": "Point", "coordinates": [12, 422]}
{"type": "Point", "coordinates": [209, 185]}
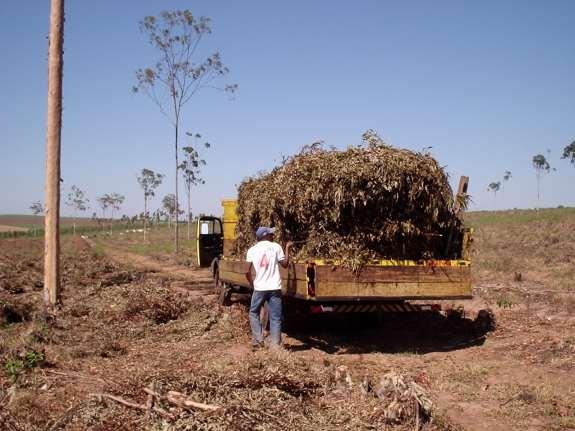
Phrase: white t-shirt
{"type": "Point", "coordinates": [265, 257]}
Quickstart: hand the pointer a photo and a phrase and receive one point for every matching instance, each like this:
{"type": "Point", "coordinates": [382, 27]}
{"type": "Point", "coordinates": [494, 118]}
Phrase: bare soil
{"type": "Point", "coordinates": [128, 321]}
{"type": "Point", "coordinates": [4, 228]}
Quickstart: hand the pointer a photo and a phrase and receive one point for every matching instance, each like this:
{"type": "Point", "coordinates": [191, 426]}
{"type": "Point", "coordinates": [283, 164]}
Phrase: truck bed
{"type": "Point", "coordinates": [385, 280]}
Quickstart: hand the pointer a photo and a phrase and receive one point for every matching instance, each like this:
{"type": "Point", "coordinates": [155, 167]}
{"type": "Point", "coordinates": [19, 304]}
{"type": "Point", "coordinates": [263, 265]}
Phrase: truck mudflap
{"type": "Point", "coordinates": [395, 307]}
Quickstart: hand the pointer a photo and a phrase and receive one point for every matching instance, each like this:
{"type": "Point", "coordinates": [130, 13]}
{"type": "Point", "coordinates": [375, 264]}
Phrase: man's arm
{"type": "Point", "coordinates": [249, 276]}
{"type": "Point", "coordinates": [285, 261]}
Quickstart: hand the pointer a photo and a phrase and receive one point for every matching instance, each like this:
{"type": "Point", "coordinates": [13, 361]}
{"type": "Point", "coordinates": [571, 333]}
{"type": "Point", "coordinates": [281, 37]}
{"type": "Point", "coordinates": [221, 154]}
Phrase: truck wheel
{"type": "Point", "coordinates": [225, 294]}
{"type": "Point", "coordinates": [215, 270]}
{"type": "Point", "coordinates": [293, 311]}
{"type": "Point", "coordinates": [217, 284]}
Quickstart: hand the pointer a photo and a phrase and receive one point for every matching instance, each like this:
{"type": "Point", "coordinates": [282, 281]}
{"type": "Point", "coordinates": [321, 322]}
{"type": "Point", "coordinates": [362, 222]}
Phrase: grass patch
{"type": "Point", "coordinates": [15, 366]}
{"type": "Point", "coordinates": [504, 302]}
{"type": "Point", "coordinates": [518, 217]}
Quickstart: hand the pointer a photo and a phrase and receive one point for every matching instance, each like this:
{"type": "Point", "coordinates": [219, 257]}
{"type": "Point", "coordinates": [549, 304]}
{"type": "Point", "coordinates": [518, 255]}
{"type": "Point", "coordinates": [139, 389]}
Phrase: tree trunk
{"type": "Point", "coordinates": [53, 137]}
{"type": "Point", "coordinates": [189, 211]}
{"type": "Point", "coordinates": [145, 218]}
{"type": "Point", "coordinates": [537, 207]}
{"type": "Point", "coordinates": [176, 217]}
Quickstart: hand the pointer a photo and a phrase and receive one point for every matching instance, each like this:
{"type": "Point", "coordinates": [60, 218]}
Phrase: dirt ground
{"type": "Point", "coordinates": [129, 322]}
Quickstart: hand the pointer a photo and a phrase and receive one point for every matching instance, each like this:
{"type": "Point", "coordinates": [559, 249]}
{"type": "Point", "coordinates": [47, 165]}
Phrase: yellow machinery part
{"type": "Point", "coordinates": [230, 219]}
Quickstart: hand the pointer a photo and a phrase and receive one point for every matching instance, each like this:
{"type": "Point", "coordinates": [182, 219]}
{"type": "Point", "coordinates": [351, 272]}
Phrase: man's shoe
{"type": "Point", "coordinates": [278, 348]}
{"type": "Point", "coordinates": [257, 346]}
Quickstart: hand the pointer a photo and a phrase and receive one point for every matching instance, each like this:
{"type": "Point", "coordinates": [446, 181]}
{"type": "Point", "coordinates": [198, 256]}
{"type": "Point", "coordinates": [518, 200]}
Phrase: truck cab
{"type": "Point", "coordinates": [209, 240]}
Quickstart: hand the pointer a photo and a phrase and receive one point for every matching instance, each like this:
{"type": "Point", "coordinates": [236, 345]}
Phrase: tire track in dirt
{"type": "Point", "coordinates": [195, 282]}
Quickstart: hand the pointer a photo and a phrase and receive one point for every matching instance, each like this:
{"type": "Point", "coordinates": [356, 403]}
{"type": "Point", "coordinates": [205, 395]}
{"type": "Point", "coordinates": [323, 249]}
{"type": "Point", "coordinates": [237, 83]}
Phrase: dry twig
{"type": "Point", "coordinates": [181, 400]}
{"type": "Point", "coordinates": [133, 405]}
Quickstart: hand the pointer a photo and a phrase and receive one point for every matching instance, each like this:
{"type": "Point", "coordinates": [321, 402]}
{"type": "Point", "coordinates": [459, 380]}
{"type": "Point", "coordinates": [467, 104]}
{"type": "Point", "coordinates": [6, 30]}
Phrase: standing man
{"type": "Point", "coordinates": [264, 257]}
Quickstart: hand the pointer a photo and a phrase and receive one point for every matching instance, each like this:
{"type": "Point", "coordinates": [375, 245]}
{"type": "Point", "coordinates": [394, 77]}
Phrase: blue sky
{"type": "Point", "coordinates": [486, 84]}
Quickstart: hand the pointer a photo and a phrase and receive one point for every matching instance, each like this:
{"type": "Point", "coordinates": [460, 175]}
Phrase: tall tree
{"type": "Point", "coordinates": [104, 203]}
{"type": "Point", "coordinates": [171, 207]}
{"type": "Point", "coordinates": [77, 200]}
{"type": "Point", "coordinates": [115, 201]}
{"type": "Point", "coordinates": [149, 182]}
{"type": "Point", "coordinates": [494, 187]}
{"type": "Point", "coordinates": [541, 166]}
{"type": "Point", "coordinates": [191, 171]}
{"type": "Point", "coordinates": [53, 139]}
{"type": "Point", "coordinates": [569, 152]}
{"type": "Point", "coordinates": [177, 75]}
{"type": "Point", "coordinates": [506, 177]}
{"type": "Point", "coordinates": [37, 209]}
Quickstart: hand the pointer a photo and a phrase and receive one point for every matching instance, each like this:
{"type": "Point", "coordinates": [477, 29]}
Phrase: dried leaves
{"type": "Point", "coordinates": [370, 201]}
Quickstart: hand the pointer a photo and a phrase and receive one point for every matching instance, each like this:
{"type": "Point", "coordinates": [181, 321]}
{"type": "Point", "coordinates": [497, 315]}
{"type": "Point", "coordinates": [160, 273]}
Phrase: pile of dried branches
{"type": "Point", "coordinates": [279, 393]}
{"type": "Point", "coordinates": [367, 202]}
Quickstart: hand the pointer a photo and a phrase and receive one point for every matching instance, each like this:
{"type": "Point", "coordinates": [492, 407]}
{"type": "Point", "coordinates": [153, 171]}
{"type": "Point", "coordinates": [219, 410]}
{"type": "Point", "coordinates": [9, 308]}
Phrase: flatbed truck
{"type": "Point", "coordinates": [317, 285]}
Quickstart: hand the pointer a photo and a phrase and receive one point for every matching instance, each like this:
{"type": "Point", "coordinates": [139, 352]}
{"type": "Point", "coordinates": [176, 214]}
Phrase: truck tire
{"type": "Point", "coordinates": [225, 294]}
{"type": "Point", "coordinates": [293, 311]}
{"type": "Point", "coordinates": [215, 270]}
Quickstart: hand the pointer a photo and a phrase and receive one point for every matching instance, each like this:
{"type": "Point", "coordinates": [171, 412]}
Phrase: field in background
{"type": "Point", "coordinates": [158, 246]}
{"type": "Point", "coordinates": [526, 247]}
{"type": "Point", "coordinates": [32, 221]}
{"type": "Point", "coordinates": [519, 217]}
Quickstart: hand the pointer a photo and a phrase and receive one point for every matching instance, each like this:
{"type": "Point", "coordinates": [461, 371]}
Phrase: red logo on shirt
{"type": "Point", "coordinates": [264, 262]}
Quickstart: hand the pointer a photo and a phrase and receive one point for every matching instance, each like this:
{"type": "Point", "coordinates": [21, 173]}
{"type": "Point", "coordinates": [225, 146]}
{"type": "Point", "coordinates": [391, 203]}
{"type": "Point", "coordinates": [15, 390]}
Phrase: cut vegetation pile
{"type": "Point", "coordinates": [367, 202]}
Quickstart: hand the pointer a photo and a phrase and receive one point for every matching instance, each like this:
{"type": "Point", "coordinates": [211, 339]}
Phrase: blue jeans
{"type": "Point", "coordinates": [274, 300]}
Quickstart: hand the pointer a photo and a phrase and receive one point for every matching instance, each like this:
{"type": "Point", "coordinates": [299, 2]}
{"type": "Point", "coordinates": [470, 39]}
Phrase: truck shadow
{"type": "Point", "coordinates": [416, 333]}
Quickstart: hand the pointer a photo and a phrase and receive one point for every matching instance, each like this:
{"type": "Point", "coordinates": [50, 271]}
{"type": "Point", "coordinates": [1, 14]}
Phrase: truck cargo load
{"type": "Point", "coordinates": [365, 203]}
